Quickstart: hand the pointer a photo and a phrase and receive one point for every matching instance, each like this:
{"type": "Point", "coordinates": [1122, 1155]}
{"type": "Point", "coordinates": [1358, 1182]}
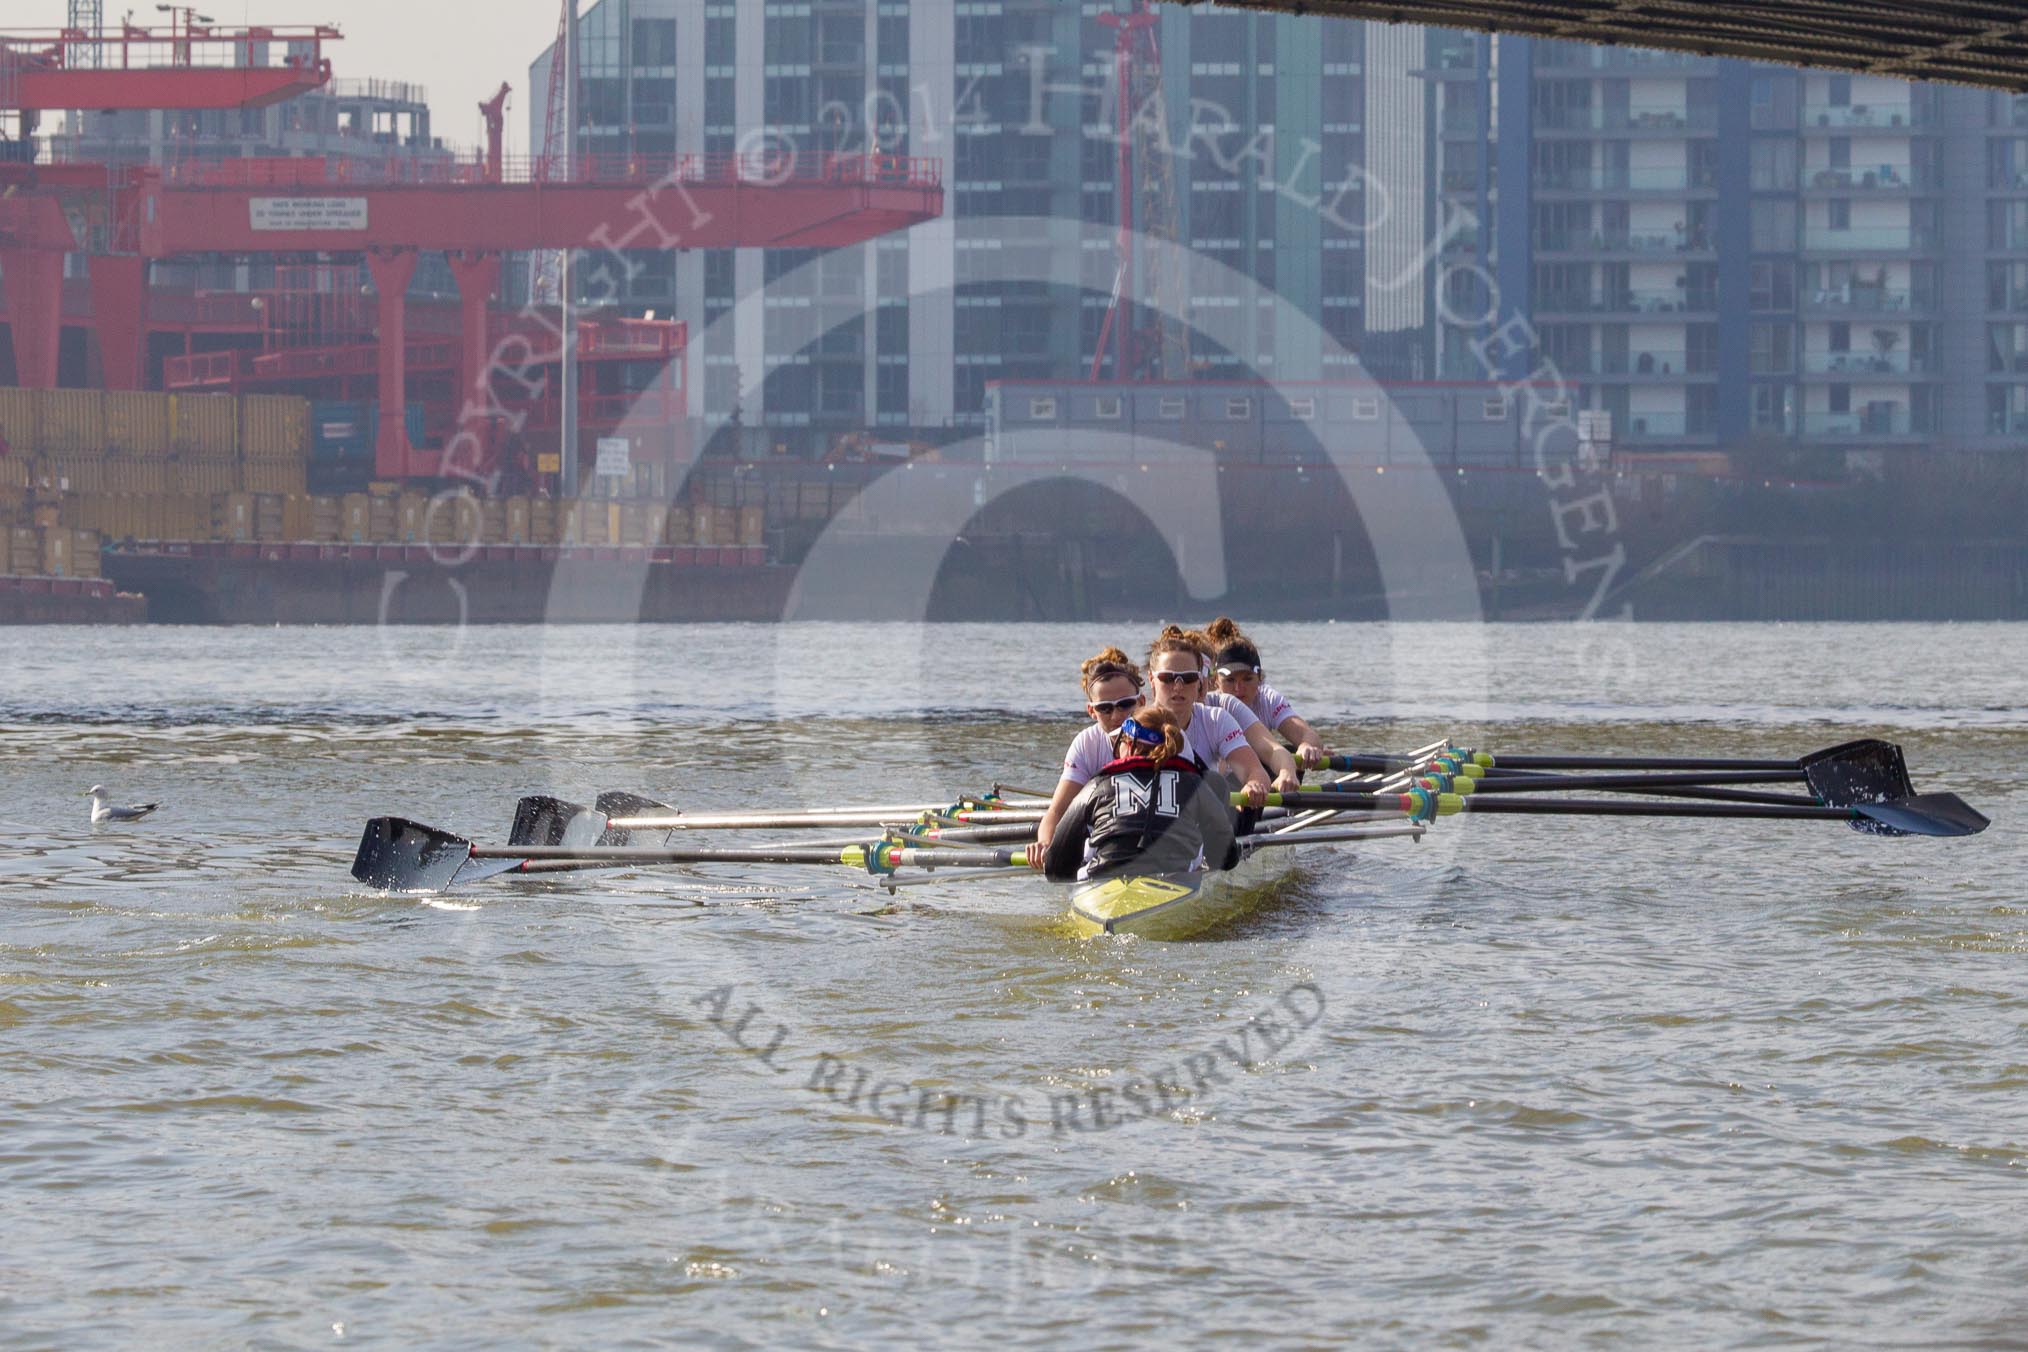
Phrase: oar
{"type": "Point", "coordinates": [405, 856]}
{"type": "Point", "coordinates": [542, 820]}
{"type": "Point", "coordinates": [1929, 814]}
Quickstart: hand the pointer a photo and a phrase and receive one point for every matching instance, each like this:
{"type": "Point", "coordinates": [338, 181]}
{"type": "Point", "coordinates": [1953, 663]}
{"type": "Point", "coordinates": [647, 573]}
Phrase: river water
{"type": "Point", "coordinates": [1523, 1082]}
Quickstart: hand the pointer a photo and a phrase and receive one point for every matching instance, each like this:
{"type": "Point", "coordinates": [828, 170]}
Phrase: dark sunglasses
{"type": "Point", "coordinates": [1178, 677]}
{"type": "Point", "coordinates": [1124, 705]}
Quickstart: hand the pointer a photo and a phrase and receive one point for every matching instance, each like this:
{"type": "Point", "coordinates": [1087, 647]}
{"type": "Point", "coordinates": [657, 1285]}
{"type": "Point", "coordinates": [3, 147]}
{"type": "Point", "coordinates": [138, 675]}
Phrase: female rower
{"type": "Point", "coordinates": [1112, 690]}
{"type": "Point", "coordinates": [1236, 663]}
{"type": "Point", "coordinates": [1149, 810]}
{"type": "Point", "coordinates": [1210, 734]}
{"type": "Point", "coordinates": [1273, 756]}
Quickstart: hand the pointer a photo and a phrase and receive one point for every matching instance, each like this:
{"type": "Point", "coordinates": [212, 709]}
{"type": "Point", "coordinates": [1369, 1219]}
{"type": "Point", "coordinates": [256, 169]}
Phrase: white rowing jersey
{"type": "Point", "coordinates": [1268, 705]}
{"type": "Point", "coordinates": [1233, 705]}
{"type": "Point", "coordinates": [1213, 732]}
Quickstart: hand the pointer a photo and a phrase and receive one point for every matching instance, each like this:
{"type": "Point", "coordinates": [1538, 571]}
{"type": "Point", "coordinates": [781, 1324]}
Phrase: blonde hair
{"type": "Point", "coordinates": [1156, 720]}
{"type": "Point", "coordinates": [1104, 664]}
{"type": "Point", "coordinates": [1176, 639]}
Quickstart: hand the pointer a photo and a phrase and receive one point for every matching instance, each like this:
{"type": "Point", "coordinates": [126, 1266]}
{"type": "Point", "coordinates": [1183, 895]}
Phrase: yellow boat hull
{"type": "Point", "coordinates": [1176, 905]}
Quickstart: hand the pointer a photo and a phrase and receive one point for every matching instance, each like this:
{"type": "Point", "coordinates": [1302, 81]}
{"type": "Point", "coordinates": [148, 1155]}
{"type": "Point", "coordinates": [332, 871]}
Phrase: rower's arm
{"type": "Point", "coordinates": [1063, 856]}
{"type": "Point", "coordinates": [1310, 751]}
{"type": "Point", "coordinates": [1272, 757]}
{"type": "Point", "coordinates": [1253, 776]}
{"type": "Point", "coordinates": [1059, 803]}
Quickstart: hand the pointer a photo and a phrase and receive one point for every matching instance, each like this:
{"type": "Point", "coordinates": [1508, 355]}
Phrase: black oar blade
{"type": "Point", "coordinates": [1922, 814]}
{"type": "Point", "coordinates": [397, 855]}
{"type": "Point", "coordinates": [620, 803]}
{"type": "Point", "coordinates": [1865, 771]}
{"type": "Point", "coordinates": [542, 820]}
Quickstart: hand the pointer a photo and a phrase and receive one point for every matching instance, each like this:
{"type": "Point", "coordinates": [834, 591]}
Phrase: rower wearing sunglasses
{"type": "Point", "coordinates": [1272, 755]}
{"type": "Point", "coordinates": [1236, 664]}
{"type": "Point", "coordinates": [1112, 690]}
{"type": "Point", "coordinates": [1211, 735]}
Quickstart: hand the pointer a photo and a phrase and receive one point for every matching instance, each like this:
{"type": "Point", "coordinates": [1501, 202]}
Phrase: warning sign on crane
{"type": "Point", "coordinates": [308, 213]}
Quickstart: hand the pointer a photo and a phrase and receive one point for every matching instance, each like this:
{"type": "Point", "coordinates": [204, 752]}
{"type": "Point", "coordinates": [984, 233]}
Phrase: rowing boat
{"type": "Point", "coordinates": [1863, 784]}
{"type": "Point", "coordinates": [1176, 905]}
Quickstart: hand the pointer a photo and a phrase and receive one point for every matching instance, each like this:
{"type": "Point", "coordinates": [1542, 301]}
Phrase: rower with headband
{"type": "Point", "coordinates": [1149, 810]}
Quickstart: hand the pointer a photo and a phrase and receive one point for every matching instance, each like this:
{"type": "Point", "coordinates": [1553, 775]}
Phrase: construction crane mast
{"type": "Point", "coordinates": [1150, 341]}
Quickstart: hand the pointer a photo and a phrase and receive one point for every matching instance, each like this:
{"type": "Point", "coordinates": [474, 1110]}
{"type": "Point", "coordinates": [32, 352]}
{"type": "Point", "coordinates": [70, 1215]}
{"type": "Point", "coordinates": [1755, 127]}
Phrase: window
{"type": "Point", "coordinates": [1496, 409]}
{"type": "Point", "coordinates": [1839, 210]}
{"type": "Point", "coordinates": [1170, 407]}
{"type": "Point", "coordinates": [1108, 406]}
{"type": "Point", "coordinates": [1366, 408]}
{"type": "Point", "coordinates": [1303, 410]}
{"type": "Point", "coordinates": [1771, 349]}
{"type": "Point", "coordinates": [1239, 408]}
{"type": "Point", "coordinates": [1841, 91]}
{"type": "Point", "coordinates": [1774, 226]}
{"type": "Point", "coordinates": [1041, 408]}
{"type": "Point", "coordinates": [1773, 286]}
{"type": "Point", "coordinates": [654, 42]}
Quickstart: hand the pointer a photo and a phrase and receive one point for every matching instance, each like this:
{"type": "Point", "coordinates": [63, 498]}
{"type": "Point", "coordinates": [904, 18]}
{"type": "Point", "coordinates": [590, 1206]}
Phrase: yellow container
{"type": "Point", "coordinates": [493, 521]}
{"type": "Point", "coordinates": [56, 557]}
{"type": "Point", "coordinates": [275, 427]}
{"type": "Point", "coordinates": [274, 476]}
{"type": "Point", "coordinates": [725, 525]}
{"type": "Point", "coordinates": [24, 551]}
{"type": "Point", "coordinates": [355, 518]}
{"type": "Point", "coordinates": [72, 474]}
{"type": "Point", "coordinates": [752, 526]}
{"type": "Point", "coordinates": [73, 422]}
{"type": "Point", "coordinates": [137, 422]}
{"type": "Point", "coordinates": [21, 421]}
{"type": "Point", "coordinates": [517, 521]}
{"type": "Point", "coordinates": [681, 527]}
{"type": "Point", "coordinates": [232, 517]}
{"type": "Point", "coordinates": [14, 466]}
{"type": "Point", "coordinates": [84, 553]}
{"type": "Point", "coordinates": [205, 475]}
{"type": "Point", "coordinates": [381, 519]}
{"type": "Point", "coordinates": [129, 474]}
{"type": "Point", "coordinates": [702, 521]}
{"type": "Point", "coordinates": [269, 520]}
{"type": "Point", "coordinates": [409, 510]}
{"type": "Point", "coordinates": [542, 521]}
{"type": "Point", "coordinates": [206, 426]}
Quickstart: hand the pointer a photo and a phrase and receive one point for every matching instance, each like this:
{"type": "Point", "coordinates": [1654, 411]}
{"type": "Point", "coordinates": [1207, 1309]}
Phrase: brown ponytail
{"type": "Point", "coordinates": [1222, 631]}
{"type": "Point", "coordinates": [1176, 639]}
{"type": "Point", "coordinates": [1155, 720]}
{"type": "Point", "coordinates": [1106, 663]}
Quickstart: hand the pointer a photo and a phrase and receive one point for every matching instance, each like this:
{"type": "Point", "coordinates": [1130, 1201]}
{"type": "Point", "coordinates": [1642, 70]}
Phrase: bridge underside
{"type": "Point", "coordinates": [1975, 42]}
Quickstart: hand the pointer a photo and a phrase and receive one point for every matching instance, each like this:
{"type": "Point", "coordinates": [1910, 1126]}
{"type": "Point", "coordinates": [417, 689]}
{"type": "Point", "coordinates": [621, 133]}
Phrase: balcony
{"type": "Point", "coordinates": [1879, 239]}
{"type": "Point", "coordinates": [1843, 118]}
{"type": "Point", "coordinates": [2010, 424]}
{"type": "Point", "coordinates": [1665, 426]}
{"type": "Point", "coordinates": [1622, 180]}
{"type": "Point", "coordinates": [1664, 302]}
{"type": "Point", "coordinates": [1866, 300]}
{"type": "Point", "coordinates": [1663, 364]}
{"type": "Point", "coordinates": [1560, 58]}
{"type": "Point", "coordinates": [1859, 365]}
{"type": "Point", "coordinates": [1880, 420]}
{"type": "Point", "coordinates": [1676, 120]}
{"type": "Point", "coordinates": [1885, 179]}
{"type": "Point", "coordinates": [1660, 243]}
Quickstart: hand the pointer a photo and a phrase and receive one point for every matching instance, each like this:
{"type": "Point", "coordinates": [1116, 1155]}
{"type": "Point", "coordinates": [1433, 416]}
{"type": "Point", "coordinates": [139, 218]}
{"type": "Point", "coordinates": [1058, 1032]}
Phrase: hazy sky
{"type": "Point", "coordinates": [460, 50]}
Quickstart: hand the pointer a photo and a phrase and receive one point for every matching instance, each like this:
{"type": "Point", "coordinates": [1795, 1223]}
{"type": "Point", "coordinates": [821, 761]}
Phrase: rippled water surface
{"type": "Point", "coordinates": [1525, 1082]}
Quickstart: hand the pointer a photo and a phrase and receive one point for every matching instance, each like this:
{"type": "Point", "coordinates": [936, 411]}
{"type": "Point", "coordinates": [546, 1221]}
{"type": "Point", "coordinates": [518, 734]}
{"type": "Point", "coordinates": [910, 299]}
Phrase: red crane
{"type": "Point", "coordinates": [1155, 343]}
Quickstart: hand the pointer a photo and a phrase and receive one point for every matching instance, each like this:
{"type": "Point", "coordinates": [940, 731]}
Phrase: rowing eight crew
{"type": "Point", "coordinates": [1106, 795]}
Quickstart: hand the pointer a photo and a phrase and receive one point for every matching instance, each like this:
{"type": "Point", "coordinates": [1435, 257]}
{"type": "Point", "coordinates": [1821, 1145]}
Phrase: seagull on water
{"type": "Point", "coordinates": [102, 811]}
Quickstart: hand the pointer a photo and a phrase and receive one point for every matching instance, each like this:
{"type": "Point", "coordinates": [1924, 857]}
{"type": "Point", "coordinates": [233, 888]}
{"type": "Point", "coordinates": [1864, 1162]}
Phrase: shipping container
{"type": "Point", "coordinates": [84, 554]}
{"type": "Point", "coordinates": [71, 474]}
{"type": "Point", "coordinates": [542, 516]}
{"type": "Point", "coordinates": [24, 551]}
{"type": "Point", "coordinates": [724, 526]}
{"type": "Point", "coordinates": [232, 517]}
{"type": "Point", "coordinates": [275, 427]}
{"type": "Point", "coordinates": [273, 476]}
{"type": "Point", "coordinates": [409, 511]}
{"type": "Point", "coordinates": [204, 476]}
{"type": "Point", "coordinates": [752, 526]}
{"type": "Point", "coordinates": [206, 426]}
{"type": "Point", "coordinates": [133, 474]}
{"type": "Point", "coordinates": [703, 519]}
{"type": "Point", "coordinates": [137, 423]}
{"type": "Point", "coordinates": [654, 522]}
{"type": "Point", "coordinates": [325, 519]}
{"type": "Point", "coordinates": [517, 522]}
{"type": "Point", "coordinates": [14, 467]}
{"type": "Point", "coordinates": [56, 558]}
{"type": "Point", "coordinates": [73, 422]}
{"type": "Point", "coordinates": [355, 519]}
{"type": "Point", "coordinates": [680, 529]}
{"type": "Point", "coordinates": [493, 522]}
{"type": "Point", "coordinates": [21, 421]}
{"type": "Point", "coordinates": [382, 518]}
